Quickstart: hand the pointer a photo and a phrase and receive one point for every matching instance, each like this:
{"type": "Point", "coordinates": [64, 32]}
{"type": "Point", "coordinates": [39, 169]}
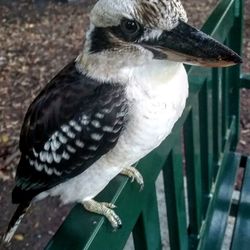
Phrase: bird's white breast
{"type": "Point", "coordinates": [157, 95]}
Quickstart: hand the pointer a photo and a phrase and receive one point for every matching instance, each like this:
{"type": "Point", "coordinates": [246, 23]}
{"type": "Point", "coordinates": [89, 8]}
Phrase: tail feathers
{"type": "Point", "coordinates": [15, 221]}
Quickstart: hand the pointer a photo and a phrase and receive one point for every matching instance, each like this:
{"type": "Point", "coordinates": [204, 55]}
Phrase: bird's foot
{"type": "Point", "coordinates": [106, 209]}
{"type": "Point", "coordinates": [134, 174]}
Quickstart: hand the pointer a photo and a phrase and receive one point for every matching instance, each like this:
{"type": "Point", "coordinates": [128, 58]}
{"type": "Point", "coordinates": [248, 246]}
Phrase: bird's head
{"type": "Point", "coordinates": [129, 33]}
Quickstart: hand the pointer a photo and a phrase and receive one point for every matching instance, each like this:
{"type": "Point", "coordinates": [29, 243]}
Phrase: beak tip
{"type": "Point", "coordinates": [235, 58]}
{"type": "Point", "coordinates": [232, 59]}
{"type": "Point", "coordinates": [238, 60]}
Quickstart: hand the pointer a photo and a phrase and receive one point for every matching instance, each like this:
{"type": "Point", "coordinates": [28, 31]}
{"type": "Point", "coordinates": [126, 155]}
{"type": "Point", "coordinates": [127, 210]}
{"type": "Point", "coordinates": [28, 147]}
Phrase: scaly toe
{"type": "Point", "coordinates": [108, 205]}
{"type": "Point", "coordinates": [106, 209]}
{"type": "Point", "coordinates": [134, 174]}
{"type": "Point", "coordinates": [114, 219]}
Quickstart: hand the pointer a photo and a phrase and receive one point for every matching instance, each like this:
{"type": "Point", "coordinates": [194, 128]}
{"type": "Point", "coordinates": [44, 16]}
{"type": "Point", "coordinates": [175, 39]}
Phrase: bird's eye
{"type": "Point", "coordinates": [130, 27]}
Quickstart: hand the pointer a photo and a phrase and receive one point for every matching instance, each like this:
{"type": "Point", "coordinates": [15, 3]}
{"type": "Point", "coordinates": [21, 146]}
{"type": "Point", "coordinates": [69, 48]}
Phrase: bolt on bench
{"type": "Point", "coordinates": [209, 131]}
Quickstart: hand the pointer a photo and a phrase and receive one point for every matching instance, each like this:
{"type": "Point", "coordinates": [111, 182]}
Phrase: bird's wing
{"type": "Point", "coordinates": [70, 125]}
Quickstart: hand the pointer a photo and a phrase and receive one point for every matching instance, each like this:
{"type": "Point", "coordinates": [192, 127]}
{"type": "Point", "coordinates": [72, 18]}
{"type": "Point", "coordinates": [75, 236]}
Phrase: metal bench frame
{"type": "Point", "coordinates": [209, 131]}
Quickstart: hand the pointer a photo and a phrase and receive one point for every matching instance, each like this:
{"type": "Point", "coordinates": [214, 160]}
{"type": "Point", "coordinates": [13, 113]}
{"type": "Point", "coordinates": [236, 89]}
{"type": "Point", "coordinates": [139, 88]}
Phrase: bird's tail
{"type": "Point", "coordinates": [14, 222]}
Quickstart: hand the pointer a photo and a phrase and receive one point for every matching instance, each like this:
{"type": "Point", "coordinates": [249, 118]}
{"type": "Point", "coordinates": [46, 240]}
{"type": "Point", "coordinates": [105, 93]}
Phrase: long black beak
{"type": "Point", "coordinates": [189, 45]}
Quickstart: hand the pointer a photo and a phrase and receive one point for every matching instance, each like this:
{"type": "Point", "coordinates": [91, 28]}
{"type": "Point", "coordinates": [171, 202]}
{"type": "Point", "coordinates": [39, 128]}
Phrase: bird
{"type": "Point", "coordinates": [112, 105]}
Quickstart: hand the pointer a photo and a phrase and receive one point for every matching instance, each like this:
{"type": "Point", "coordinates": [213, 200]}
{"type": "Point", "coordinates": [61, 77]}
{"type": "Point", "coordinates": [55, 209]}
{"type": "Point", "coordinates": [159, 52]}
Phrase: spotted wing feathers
{"type": "Point", "coordinates": [69, 126]}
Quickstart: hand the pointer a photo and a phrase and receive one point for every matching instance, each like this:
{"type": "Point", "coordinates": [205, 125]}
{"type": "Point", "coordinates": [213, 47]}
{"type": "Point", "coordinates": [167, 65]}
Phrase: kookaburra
{"type": "Point", "coordinates": [116, 102]}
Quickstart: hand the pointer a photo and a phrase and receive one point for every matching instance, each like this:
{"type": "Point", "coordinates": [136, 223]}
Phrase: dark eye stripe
{"type": "Point", "coordinates": [101, 39]}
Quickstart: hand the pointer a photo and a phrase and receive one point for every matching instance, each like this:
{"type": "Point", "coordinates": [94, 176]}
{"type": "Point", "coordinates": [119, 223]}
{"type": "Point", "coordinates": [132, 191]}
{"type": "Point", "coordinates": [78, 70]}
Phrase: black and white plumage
{"type": "Point", "coordinates": [113, 105]}
{"type": "Point", "coordinates": [69, 126]}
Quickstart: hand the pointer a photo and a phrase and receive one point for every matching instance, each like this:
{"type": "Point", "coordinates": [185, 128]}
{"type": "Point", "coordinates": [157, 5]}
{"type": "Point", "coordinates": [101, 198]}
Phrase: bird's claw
{"type": "Point", "coordinates": [135, 175]}
{"type": "Point", "coordinates": [106, 209]}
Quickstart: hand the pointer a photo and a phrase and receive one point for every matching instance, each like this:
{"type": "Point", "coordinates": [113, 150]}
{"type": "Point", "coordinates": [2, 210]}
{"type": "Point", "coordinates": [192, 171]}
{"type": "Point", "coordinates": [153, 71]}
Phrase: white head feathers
{"type": "Point", "coordinates": [161, 14]}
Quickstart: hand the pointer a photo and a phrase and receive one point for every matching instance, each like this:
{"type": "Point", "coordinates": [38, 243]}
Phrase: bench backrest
{"type": "Point", "coordinates": [195, 153]}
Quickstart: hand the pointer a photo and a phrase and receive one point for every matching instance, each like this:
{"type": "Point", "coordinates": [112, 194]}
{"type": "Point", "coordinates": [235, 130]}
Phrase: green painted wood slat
{"type": "Point", "coordinates": [217, 117]}
{"type": "Point", "coordinates": [234, 74]}
{"type": "Point", "coordinates": [193, 172]}
{"type": "Point", "coordinates": [241, 239]}
{"type": "Point", "coordinates": [245, 81]}
{"type": "Point", "coordinates": [225, 103]}
{"type": "Point", "coordinates": [220, 206]}
{"type": "Point", "coordinates": [206, 143]}
{"type": "Point", "coordinates": [175, 200]}
{"type": "Point", "coordinates": [146, 232]}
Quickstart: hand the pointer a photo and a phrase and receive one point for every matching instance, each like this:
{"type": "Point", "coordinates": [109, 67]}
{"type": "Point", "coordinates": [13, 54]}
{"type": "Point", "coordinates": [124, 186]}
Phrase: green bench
{"type": "Point", "coordinates": [200, 152]}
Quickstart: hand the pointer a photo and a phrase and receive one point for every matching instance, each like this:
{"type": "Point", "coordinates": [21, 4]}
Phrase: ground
{"type": "Point", "coordinates": [36, 42]}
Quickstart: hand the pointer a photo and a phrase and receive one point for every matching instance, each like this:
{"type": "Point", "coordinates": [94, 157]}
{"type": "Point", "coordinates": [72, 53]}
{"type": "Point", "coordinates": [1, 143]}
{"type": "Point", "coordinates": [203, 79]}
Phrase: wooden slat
{"type": "Point", "coordinates": [216, 221]}
{"type": "Point", "coordinates": [221, 20]}
{"type": "Point", "coordinates": [225, 103]}
{"type": "Point", "coordinates": [245, 81]}
{"type": "Point", "coordinates": [206, 143]}
{"type": "Point", "coordinates": [241, 238]}
{"type": "Point", "coordinates": [174, 192]}
{"type": "Point", "coordinates": [146, 233]}
{"type": "Point", "coordinates": [235, 42]}
{"type": "Point", "coordinates": [217, 116]}
{"type": "Point", "coordinates": [193, 172]}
